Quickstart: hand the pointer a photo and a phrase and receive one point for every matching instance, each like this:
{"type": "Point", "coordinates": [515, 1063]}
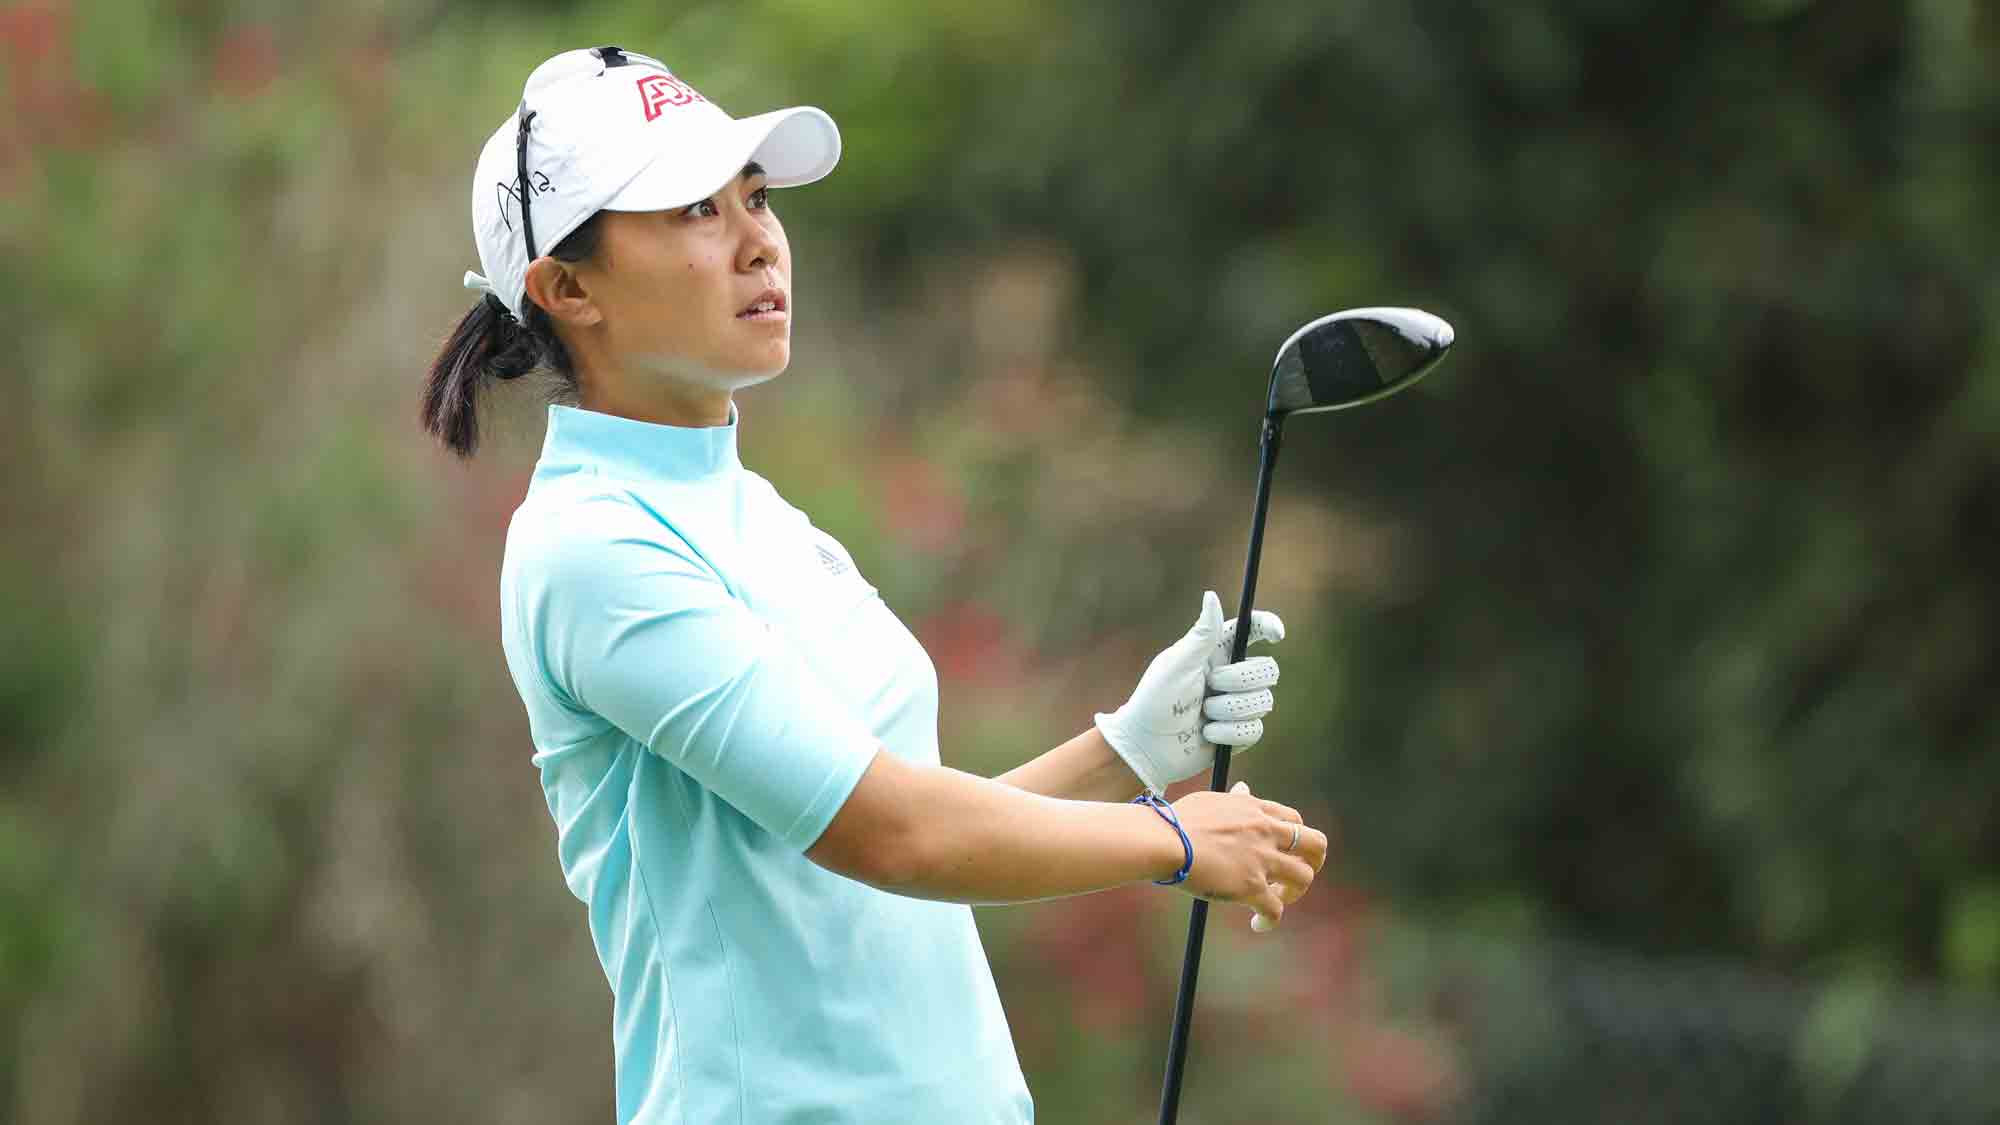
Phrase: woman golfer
{"type": "Point", "coordinates": [736, 737]}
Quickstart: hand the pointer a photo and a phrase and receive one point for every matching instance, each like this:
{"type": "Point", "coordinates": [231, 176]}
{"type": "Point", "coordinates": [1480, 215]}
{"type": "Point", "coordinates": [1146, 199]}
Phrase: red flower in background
{"type": "Point", "coordinates": [1397, 1074]}
{"type": "Point", "coordinates": [919, 504]}
{"type": "Point", "coordinates": [363, 77]}
{"type": "Point", "coordinates": [47, 103]}
{"type": "Point", "coordinates": [32, 32]}
{"type": "Point", "coordinates": [969, 642]}
{"type": "Point", "coordinates": [1329, 984]}
{"type": "Point", "coordinates": [1328, 974]}
{"type": "Point", "coordinates": [1095, 942]}
{"type": "Point", "coordinates": [246, 61]}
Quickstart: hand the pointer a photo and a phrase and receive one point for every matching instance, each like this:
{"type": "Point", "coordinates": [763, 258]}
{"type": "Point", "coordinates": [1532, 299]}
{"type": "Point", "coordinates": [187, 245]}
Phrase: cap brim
{"type": "Point", "coordinates": [795, 146]}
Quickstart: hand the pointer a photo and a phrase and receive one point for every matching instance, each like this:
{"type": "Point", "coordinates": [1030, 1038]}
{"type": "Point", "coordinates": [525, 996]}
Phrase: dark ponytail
{"type": "Point", "coordinates": [489, 344]}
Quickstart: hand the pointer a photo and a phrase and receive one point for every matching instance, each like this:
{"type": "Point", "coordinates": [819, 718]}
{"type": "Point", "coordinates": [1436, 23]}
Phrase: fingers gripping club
{"type": "Point", "coordinates": [1191, 700]}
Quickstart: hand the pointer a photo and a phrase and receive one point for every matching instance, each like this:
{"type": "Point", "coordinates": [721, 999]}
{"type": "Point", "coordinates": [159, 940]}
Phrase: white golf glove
{"type": "Point", "coordinates": [1192, 700]}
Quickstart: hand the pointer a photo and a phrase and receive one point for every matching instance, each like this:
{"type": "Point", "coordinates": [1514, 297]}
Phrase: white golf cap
{"type": "Point", "coordinates": [610, 130]}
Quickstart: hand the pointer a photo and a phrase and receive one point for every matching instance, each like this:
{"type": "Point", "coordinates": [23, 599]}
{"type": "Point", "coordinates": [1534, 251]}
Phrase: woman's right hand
{"type": "Point", "coordinates": [1240, 852]}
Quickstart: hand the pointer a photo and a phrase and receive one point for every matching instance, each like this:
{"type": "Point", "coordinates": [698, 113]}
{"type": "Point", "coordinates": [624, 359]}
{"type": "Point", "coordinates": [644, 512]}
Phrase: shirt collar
{"type": "Point", "coordinates": [642, 450]}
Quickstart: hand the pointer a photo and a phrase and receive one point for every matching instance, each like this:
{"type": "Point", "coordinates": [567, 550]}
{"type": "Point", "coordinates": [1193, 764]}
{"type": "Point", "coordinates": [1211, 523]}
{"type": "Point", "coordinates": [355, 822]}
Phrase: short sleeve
{"type": "Point", "coordinates": [631, 626]}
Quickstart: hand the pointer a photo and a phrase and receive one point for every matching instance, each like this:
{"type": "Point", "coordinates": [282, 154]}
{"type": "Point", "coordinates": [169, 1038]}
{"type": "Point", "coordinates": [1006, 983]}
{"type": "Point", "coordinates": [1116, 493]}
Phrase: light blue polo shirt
{"type": "Point", "coordinates": [706, 677]}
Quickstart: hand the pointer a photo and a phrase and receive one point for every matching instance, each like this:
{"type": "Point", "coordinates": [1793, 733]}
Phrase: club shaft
{"type": "Point", "coordinates": [1170, 1091]}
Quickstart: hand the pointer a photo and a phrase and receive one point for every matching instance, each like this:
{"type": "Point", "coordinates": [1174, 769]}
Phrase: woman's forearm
{"type": "Point", "coordinates": [1083, 769]}
{"type": "Point", "coordinates": [939, 833]}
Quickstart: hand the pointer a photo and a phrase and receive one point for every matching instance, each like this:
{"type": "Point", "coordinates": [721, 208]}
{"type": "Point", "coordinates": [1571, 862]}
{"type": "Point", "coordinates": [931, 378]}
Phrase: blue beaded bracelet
{"type": "Point", "coordinates": [1166, 812]}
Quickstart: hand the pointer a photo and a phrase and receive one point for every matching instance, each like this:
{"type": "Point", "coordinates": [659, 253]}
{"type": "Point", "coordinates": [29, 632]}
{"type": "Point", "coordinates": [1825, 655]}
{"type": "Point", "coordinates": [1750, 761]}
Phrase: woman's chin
{"type": "Point", "coordinates": [719, 373]}
{"type": "Point", "coordinates": [762, 369]}
{"type": "Point", "coordinates": [750, 379]}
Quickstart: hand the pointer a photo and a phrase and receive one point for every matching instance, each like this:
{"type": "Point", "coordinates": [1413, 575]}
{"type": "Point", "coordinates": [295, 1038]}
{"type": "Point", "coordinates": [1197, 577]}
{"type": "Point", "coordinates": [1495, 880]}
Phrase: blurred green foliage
{"type": "Point", "coordinates": [1660, 619]}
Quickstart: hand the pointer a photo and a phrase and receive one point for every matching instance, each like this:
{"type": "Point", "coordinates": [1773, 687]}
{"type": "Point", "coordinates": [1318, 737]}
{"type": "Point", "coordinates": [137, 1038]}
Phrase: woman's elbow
{"type": "Point", "coordinates": [874, 837]}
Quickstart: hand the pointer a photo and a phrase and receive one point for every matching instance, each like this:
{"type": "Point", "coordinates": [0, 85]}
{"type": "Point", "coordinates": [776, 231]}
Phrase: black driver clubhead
{"type": "Point", "coordinates": [1357, 356]}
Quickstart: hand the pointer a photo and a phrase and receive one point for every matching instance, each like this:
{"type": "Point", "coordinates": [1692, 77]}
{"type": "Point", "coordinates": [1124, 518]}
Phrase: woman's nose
{"type": "Point", "coordinates": [760, 249]}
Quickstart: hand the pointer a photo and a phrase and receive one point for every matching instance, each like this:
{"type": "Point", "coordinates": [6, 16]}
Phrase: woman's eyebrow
{"type": "Point", "coordinates": [752, 169]}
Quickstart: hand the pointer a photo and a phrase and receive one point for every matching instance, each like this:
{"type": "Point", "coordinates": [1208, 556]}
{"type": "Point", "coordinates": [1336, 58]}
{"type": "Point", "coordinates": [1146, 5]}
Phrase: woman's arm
{"type": "Point", "coordinates": [1083, 769]}
{"type": "Point", "coordinates": [938, 833]}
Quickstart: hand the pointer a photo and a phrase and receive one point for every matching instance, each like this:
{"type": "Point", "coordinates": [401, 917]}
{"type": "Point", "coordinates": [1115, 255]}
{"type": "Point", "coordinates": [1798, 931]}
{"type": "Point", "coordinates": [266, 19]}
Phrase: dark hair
{"type": "Point", "coordinates": [489, 344]}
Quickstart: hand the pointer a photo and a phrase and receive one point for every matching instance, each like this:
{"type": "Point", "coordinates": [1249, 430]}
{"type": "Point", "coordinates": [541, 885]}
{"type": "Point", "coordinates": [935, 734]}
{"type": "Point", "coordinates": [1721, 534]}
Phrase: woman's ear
{"type": "Point", "coordinates": [561, 293]}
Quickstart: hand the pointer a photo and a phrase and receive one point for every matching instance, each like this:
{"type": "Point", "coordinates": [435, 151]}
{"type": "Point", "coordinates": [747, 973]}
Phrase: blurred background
{"type": "Point", "coordinates": [1643, 658]}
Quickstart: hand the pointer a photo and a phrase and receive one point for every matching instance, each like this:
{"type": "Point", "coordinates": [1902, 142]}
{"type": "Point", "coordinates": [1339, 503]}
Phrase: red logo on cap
{"type": "Point", "coordinates": [658, 91]}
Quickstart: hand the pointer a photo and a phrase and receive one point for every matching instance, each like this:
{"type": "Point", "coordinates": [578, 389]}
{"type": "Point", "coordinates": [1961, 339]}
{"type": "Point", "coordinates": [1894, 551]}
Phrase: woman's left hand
{"type": "Point", "coordinates": [1192, 700]}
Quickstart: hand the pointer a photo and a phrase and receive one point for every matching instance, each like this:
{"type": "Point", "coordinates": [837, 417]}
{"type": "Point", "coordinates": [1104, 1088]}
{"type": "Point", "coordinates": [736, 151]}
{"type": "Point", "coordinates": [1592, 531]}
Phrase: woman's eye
{"type": "Point", "coordinates": [706, 209]}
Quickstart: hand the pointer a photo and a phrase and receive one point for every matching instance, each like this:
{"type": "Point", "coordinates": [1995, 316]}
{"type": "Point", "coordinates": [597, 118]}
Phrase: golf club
{"type": "Point", "coordinates": [1341, 360]}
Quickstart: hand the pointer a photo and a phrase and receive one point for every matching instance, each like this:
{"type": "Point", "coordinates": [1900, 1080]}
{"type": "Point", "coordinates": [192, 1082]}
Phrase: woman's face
{"type": "Point", "coordinates": [701, 294]}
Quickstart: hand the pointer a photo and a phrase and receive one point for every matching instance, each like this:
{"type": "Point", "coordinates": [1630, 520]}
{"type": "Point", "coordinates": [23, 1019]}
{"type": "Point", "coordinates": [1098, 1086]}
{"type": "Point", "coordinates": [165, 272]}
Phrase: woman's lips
{"type": "Point", "coordinates": [769, 305]}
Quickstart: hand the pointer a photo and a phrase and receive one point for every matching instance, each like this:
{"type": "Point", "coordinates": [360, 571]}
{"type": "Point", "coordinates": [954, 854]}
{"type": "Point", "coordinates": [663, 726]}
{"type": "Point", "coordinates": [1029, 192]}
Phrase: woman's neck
{"type": "Point", "coordinates": [663, 403]}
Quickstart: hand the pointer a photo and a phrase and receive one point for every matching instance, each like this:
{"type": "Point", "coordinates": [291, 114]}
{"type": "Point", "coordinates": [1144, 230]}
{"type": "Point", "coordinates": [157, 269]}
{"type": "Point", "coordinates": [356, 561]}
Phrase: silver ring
{"type": "Point", "coordinates": [1295, 838]}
